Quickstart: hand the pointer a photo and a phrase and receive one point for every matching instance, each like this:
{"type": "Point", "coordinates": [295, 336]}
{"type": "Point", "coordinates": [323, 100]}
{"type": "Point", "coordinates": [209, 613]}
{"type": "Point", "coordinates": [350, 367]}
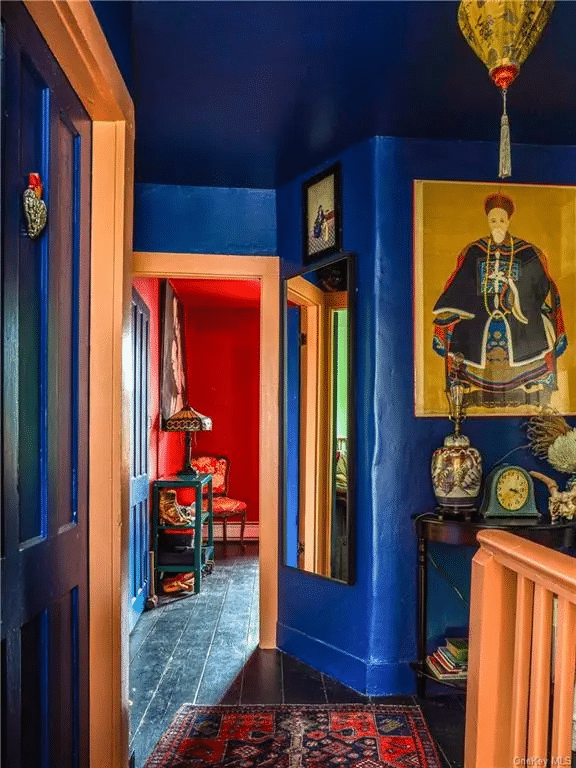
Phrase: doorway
{"type": "Point", "coordinates": [193, 648]}
{"type": "Point", "coordinates": [265, 269]}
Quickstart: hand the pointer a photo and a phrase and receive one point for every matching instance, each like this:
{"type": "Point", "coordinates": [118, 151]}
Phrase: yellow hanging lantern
{"type": "Point", "coordinates": [502, 33]}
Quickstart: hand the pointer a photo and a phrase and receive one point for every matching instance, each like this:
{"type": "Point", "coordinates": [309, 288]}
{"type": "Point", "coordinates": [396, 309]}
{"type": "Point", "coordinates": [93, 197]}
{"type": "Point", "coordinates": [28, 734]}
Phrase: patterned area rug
{"type": "Point", "coordinates": [296, 736]}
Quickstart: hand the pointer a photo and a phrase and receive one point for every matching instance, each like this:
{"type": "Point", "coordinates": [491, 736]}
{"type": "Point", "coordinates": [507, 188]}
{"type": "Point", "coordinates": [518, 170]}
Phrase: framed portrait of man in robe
{"type": "Point", "coordinates": [494, 268]}
{"type": "Point", "coordinates": [173, 380]}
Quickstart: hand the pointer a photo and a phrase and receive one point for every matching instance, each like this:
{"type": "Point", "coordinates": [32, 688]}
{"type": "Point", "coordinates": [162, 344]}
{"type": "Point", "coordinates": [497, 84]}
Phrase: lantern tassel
{"type": "Point", "coordinates": [505, 151]}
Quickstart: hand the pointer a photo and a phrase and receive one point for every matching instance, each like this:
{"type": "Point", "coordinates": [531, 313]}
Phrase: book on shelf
{"type": "Point", "coordinates": [458, 647]}
{"type": "Point", "coordinates": [446, 659]}
{"type": "Point", "coordinates": [442, 673]}
{"type": "Point", "coordinates": [439, 671]}
{"type": "Point", "coordinates": [450, 661]}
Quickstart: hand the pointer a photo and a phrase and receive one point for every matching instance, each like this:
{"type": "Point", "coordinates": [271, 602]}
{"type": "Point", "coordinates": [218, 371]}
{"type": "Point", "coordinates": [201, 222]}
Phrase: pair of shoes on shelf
{"type": "Point", "coordinates": [172, 513]}
{"type": "Point", "coordinates": [180, 582]}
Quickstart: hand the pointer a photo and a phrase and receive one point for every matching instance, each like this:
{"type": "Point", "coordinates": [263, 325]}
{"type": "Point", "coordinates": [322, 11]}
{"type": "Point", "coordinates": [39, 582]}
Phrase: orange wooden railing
{"type": "Point", "coordinates": [521, 671]}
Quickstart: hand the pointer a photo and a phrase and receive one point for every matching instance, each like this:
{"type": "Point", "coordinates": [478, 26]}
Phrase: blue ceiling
{"type": "Point", "coordinates": [251, 94]}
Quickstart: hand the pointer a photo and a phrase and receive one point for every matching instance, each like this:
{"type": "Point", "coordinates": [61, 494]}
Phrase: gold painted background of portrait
{"type": "Point", "coordinates": [449, 216]}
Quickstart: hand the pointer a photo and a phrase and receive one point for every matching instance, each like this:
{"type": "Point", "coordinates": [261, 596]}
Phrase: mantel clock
{"type": "Point", "coordinates": [508, 492]}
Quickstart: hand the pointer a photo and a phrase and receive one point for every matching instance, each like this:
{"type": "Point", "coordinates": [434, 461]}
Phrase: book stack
{"type": "Point", "coordinates": [450, 662]}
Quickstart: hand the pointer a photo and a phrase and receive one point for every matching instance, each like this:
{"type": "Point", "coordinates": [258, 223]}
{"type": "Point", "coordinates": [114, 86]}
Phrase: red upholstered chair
{"type": "Point", "coordinates": [224, 507]}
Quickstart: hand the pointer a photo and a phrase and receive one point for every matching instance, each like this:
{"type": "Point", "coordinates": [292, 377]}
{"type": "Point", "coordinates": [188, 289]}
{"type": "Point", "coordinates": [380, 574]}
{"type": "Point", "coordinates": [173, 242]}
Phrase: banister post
{"type": "Point", "coordinates": [565, 664]}
{"type": "Point", "coordinates": [491, 650]}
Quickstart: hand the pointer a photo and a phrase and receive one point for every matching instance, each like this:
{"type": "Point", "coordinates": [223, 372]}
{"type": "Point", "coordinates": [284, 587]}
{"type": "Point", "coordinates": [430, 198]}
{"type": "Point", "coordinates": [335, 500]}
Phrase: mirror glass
{"type": "Point", "coordinates": [318, 467]}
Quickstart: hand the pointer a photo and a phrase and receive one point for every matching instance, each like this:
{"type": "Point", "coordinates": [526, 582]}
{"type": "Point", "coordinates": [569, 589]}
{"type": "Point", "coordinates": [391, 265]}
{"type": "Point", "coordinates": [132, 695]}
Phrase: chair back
{"type": "Point", "coordinates": [218, 467]}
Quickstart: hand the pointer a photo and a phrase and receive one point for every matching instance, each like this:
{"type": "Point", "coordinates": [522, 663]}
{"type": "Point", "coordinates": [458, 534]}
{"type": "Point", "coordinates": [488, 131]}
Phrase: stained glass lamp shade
{"type": "Point", "coordinates": [188, 420]}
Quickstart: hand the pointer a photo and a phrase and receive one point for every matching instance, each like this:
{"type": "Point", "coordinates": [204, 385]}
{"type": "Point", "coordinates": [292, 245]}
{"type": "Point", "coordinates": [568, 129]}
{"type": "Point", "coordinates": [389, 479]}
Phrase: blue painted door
{"type": "Point", "coordinates": [139, 482]}
{"type": "Point", "coordinates": [45, 342]}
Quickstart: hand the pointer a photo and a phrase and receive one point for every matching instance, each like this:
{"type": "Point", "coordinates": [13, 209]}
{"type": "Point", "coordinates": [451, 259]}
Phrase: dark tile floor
{"type": "Point", "coordinates": [203, 650]}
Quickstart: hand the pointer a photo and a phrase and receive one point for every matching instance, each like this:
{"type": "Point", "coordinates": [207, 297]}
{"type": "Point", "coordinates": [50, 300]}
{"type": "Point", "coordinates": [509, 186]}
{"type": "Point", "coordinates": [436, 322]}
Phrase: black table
{"type": "Point", "coordinates": [449, 530]}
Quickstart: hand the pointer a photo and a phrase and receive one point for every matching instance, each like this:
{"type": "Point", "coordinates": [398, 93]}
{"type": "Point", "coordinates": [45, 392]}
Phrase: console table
{"type": "Point", "coordinates": [430, 526]}
{"type": "Point", "coordinates": [184, 563]}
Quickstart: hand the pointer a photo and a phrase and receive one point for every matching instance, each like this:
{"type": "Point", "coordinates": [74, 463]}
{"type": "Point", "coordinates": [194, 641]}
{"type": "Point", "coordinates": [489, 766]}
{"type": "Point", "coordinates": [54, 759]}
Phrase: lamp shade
{"type": "Point", "coordinates": [503, 32]}
{"type": "Point", "coordinates": [188, 420]}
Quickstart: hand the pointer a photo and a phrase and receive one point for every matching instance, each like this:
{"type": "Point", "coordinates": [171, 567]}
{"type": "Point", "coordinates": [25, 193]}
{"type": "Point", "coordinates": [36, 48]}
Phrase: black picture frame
{"type": "Point", "coordinates": [322, 214]}
{"type": "Point", "coordinates": [173, 387]}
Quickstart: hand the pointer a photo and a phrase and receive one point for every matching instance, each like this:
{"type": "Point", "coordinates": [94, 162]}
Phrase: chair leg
{"type": "Point", "coordinates": [242, 527]}
{"type": "Point", "coordinates": [224, 532]}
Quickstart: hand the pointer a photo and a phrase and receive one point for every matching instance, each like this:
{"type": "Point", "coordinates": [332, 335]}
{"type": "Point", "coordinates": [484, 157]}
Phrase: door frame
{"type": "Point", "coordinates": [309, 299]}
{"type": "Point", "coordinates": [73, 34]}
{"type": "Point", "coordinates": [266, 269]}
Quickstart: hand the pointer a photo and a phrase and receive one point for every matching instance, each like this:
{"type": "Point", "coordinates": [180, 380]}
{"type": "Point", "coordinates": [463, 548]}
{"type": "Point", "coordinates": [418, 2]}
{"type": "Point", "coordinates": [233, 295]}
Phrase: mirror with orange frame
{"type": "Point", "coordinates": [318, 420]}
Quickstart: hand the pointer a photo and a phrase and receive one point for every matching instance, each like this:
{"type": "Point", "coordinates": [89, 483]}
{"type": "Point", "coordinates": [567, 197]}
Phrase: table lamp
{"type": "Point", "coordinates": [456, 466]}
{"type": "Point", "coordinates": [188, 420]}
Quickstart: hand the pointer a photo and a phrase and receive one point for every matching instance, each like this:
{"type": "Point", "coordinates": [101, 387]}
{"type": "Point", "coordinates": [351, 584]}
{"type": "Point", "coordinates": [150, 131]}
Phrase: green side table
{"type": "Point", "coordinates": [202, 551]}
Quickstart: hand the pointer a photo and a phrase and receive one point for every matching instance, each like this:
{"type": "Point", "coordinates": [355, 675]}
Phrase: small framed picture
{"type": "Point", "coordinates": [322, 214]}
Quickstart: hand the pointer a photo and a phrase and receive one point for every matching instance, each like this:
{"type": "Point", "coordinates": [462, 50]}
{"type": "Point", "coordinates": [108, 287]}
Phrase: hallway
{"type": "Point", "coordinates": [203, 649]}
{"type": "Point", "coordinates": [191, 649]}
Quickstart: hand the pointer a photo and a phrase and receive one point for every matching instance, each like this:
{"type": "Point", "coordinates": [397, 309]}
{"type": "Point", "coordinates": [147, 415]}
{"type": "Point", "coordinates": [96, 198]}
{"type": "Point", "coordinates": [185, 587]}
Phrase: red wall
{"type": "Point", "coordinates": [223, 359]}
{"type": "Point", "coordinates": [223, 363]}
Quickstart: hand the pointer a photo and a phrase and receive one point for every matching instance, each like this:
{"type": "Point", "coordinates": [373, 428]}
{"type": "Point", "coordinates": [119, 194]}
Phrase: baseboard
{"type": "Point", "coordinates": [389, 678]}
{"type": "Point", "coordinates": [332, 661]}
{"type": "Point", "coordinates": [371, 678]}
{"type": "Point", "coordinates": [251, 532]}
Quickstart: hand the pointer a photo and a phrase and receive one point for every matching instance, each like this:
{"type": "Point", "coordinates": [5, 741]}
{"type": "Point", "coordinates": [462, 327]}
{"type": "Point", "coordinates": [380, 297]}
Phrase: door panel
{"type": "Point", "coordinates": [139, 480]}
{"type": "Point", "coordinates": [25, 290]}
{"type": "Point", "coordinates": [45, 301]}
{"type": "Point", "coordinates": [34, 688]}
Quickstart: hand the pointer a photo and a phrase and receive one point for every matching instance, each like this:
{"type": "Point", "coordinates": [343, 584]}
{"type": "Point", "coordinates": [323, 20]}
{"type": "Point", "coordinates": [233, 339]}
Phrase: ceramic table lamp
{"type": "Point", "coordinates": [456, 466]}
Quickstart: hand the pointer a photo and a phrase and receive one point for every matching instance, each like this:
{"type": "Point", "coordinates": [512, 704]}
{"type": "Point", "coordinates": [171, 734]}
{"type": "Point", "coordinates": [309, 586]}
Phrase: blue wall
{"type": "Point", "coordinates": [204, 220]}
{"type": "Point", "coordinates": [115, 18]}
{"type": "Point", "coordinates": [325, 623]}
{"type": "Point", "coordinates": [365, 634]}
{"type": "Point", "coordinates": [292, 433]}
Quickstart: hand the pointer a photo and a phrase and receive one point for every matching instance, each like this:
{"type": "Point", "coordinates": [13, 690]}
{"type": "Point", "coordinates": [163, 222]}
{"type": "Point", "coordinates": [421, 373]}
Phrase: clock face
{"type": "Point", "coordinates": [512, 489]}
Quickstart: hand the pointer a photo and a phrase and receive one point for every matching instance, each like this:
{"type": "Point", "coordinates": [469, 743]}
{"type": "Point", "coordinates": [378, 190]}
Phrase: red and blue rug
{"type": "Point", "coordinates": [296, 736]}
